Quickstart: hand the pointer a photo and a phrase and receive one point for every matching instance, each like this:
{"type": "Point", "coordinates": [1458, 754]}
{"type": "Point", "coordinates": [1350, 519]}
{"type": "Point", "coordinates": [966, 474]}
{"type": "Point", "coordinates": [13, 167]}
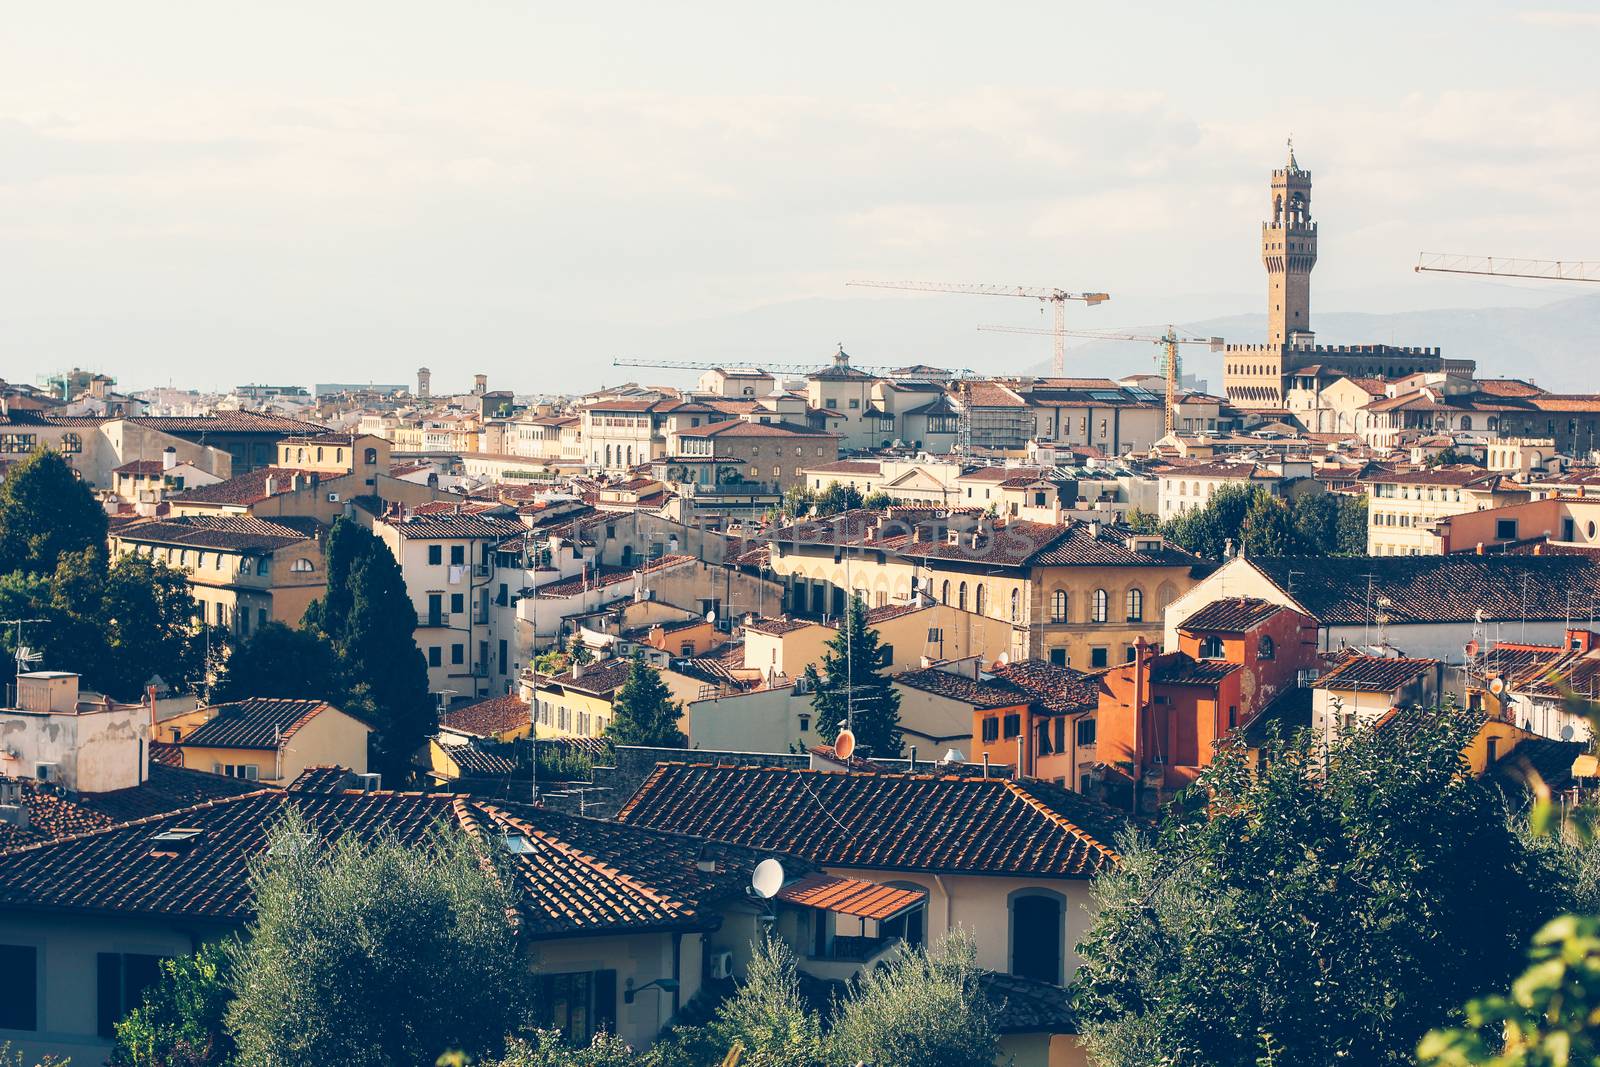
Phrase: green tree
{"type": "Point", "coordinates": [836, 499]}
{"type": "Point", "coordinates": [180, 1022]}
{"type": "Point", "coordinates": [1351, 539]}
{"type": "Point", "coordinates": [281, 661]}
{"type": "Point", "coordinates": [797, 501]}
{"type": "Point", "coordinates": [1269, 529]}
{"type": "Point", "coordinates": [1209, 531]}
{"type": "Point", "coordinates": [548, 1048]}
{"type": "Point", "coordinates": [878, 501]}
{"type": "Point", "coordinates": [46, 512]}
{"type": "Point", "coordinates": [922, 1009]}
{"type": "Point", "coordinates": [851, 684]}
{"type": "Point", "coordinates": [368, 616]}
{"type": "Point", "coordinates": [643, 712]}
{"type": "Point", "coordinates": [1141, 521]}
{"type": "Point", "coordinates": [1323, 907]}
{"type": "Point", "coordinates": [372, 954]}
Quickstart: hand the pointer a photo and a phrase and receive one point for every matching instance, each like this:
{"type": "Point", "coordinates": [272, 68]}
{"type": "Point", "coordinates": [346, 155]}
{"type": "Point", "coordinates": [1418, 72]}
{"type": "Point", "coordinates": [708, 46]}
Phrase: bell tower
{"type": "Point", "coordinates": [1289, 251]}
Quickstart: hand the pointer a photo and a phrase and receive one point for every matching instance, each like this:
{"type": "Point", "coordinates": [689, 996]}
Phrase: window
{"type": "Point", "coordinates": [458, 603]}
{"type": "Point", "coordinates": [1136, 605]}
{"type": "Point", "coordinates": [1211, 647]}
{"type": "Point", "coordinates": [944, 593]}
{"type": "Point", "coordinates": [805, 723]}
{"type": "Point", "coordinates": [458, 654]}
{"type": "Point", "coordinates": [71, 443]}
{"type": "Point", "coordinates": [579, 1005]}
{"type": "Point", "coordinates": [435, 656]}
{"type": "Point", "coordinates": [1086, 731]}
{"type": "Point", "coordinates": [370, 456]}
{"type": "Point", "coordinates": [1037, 932]}
{"type": "Point", "coordinates": [1130, 653]}
{"type": "Point", "coordinates": [1016, 605]}
{"type": "Point", "coordinates": [991, 729]}
{"type": "Point", "coordinates": [983, 598]}
{"type": "Point", "coordinates": [121, 979]}
{"type": "Point", "coordinates": [302, 566]}
{"type": "Point", "coordinates": [1013, 725]}
{"type": "Point", "coordinates": [1058, 657]}
{"type": "Point", "coordinates": [1100, 657]}
{"type": "Point", "coordinates": [1058, 606]}
{"type": "Point", "coordinates": [935, 635]}
{"type": "Point", "coordinates": [1099, 610]}
{"type": "Point", "coordinates": [1265, 649]}
{"type": "Point", "coordinates": [458, 555]}
{"type": "Point", "coordinates": [19, 987]}
{"type": "Point", "coordinates": [961, 597]}
{"type": "Point", "coordinates": [435, 555]}
{"type": "Point", "coordinates": [1505, 529]}
{"type": "Point", "coordinates": [16, 442]}
{"type": "Point", "coordinates": [855, 405]}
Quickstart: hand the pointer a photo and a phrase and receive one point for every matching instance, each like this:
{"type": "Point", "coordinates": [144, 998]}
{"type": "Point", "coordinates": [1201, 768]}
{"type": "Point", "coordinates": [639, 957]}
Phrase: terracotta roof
{"type": "Point", "coordinates": [446, 527]}
{"type": "Point", "coordinates": [1234, 615]}
{"type": "Point", "coordinates": [1375, 674]}
{"type": "Point", "coordinates": [1058, 689]}
{"type": "Point", "coordinates": [328, 778]}
{"type": "Point", "coordinates": [1180, 669]}
{"type": "Point", "coordinates": [236, 533]}
{"type": "Point", "coordinates": [54, 813]}
{"type": "Point", "coordinates": [1457, 476]}
{"type": "Point", "coordinates": [489, 718]}
{"type": "Point", "coordinates": [980, 695]}
{"type": "Point", "coordinates": [260, 722]}
{"type": "Point", "coordinates": [227, 422]}
{"type": "Point", "coordinates": [742, 428]}
{"type": "Point", "coordinates": [848, 466]}
{"type": "Point", "coordinates": [145, 467]}
{"type": "Point", "coordinates": [851, 896]}
{"type": "Point", "coordinates": [884, 821]}
{"type": "Point", "coordinates": [1435, 588]}
{"type": "Point", "coordinates": [476, 761]}
{"type": "Point", "coordinates": [608, 575]}
{"type": "Point", "coordinates": [602, 678]}
{"type": "Point", "coordinates": [778, 627]}
{"type": "Point", "coordinates": [248, 488]}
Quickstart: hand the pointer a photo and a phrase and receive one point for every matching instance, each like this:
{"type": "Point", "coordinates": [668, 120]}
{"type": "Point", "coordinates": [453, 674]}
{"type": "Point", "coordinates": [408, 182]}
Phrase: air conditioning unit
{"type": "Point", "coordinates": [48, 772]}
{"type": "Point", "coordinates": [333, 498]}
{"type": "Point", "coordinates": [722, 964]}
{"type": "Point", "coordinates": [369, 782]}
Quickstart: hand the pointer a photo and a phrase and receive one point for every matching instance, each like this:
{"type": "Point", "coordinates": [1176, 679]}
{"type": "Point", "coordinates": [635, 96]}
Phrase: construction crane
{"type": "Point", "coordinates": [1055, 297]}
{"type": "Point", "coordinates": [1167, 359]}
{"type": "Point", "coordinates": [1552, 270]}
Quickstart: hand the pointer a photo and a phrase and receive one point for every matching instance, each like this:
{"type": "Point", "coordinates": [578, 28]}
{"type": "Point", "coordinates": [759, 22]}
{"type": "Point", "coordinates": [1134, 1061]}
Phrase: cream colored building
{"type": "Point", "coordinates": [1403, 508]}
{"type": "Point", "coordinates": [913, 632]}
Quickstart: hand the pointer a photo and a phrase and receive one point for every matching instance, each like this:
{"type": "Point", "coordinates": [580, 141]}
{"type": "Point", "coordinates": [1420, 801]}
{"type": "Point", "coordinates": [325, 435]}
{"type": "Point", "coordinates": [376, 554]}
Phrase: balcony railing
{"type": "Point", "coordinates": [695, 489]}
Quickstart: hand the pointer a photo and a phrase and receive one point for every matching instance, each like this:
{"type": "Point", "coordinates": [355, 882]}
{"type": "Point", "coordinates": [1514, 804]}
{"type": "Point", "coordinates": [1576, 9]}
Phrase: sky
{"type": "Point", "coordinates": [209, 192]}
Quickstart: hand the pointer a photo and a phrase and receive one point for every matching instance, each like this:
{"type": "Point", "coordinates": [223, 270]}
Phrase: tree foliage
{"type": "Point", "coordinates": [643, 711]}
{"type": "Point", "coordinates": [922, 1009]}
{"type": "Point", "coordinates": [1250, 519]}
{"type": "Point", "coordinates": [1212, 530]}
{"type": "Point", "coordinates": [368, 617]}
{"type": "Point", "coordinates": [1325, 907]}
{"type": "Point", "coordinates": [852, 680]}
{"type": "Point", "coordinates": [281, 661]}
{"type": "Point", "coordinates": [1269, 529]}
{"type": "Point", "coordinates": [370, 954]}
{"type": "Point", "coordinates": [836, 499]}
{"type": "Point", "coordinates": [46, 512]}
{"type": "Point", "coordinates": [180, 1022]}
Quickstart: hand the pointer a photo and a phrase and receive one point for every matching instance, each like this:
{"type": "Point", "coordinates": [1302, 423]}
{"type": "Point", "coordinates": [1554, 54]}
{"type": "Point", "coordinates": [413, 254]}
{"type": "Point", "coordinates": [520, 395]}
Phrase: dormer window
{"type": "Point", "coordinates": [1211, 647]}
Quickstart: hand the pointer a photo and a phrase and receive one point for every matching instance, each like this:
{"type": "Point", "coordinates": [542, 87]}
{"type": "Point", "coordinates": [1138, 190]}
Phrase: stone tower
{"type": "Point", "coordinates": [1289, 251]}
{"type": "Point", "coordinates": [424, 380]}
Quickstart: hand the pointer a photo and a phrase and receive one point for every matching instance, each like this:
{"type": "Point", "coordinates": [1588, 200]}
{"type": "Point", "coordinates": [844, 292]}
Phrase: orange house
{"type": "Point", "coordinates": [1161, 715]}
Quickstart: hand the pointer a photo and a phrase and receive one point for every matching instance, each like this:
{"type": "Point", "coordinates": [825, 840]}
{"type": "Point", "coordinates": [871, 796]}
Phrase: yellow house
{"type": "Point", "coordinates": [243, 572]}
{"type": "Point", "coordinates": [1077, 594]}
{"type": "Point", "coordinates": [268, 739]}
{"type": "Point", "coordinates": [785, 647]}
{"type": "Point", "coordinates": [577, 702]}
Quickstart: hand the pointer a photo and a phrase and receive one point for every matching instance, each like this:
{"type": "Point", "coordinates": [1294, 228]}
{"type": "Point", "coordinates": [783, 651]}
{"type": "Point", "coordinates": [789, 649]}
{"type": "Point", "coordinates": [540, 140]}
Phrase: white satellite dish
{"type": "Point", "coordinates": [1003, 658]}
{"type": "Point", "coordinates": [711, 617]}
{"type": "Point", "coordinates": [767, 879]}
{"type": "Point", "coordinates": [844, 744]}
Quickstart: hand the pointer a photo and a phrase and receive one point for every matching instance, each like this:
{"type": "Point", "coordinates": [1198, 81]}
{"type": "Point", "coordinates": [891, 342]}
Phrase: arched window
{"type": "Point", "coordinates": [983, 598]}
{"type": "Point", "coordinates": [944, 592]}
{"type": "Point", "coordinates": [961, 597]}
{"type": "Point", "coordinates": [1136, 605]}
{"type": "Point", "coordinates": [301, 566]}
{"type": "Point", "coordinates": [371, 455]}
{"type": "Point", "coordinates": [319, 453]}
{"type": "Point", "coordinates": [1211, 647]}
{"type": "Point", "coordinates": [1038, 934]}
{"type": "Point", "coordinates": [1099, 610]}
{"type": "Point", "coordinates": [300, 455]}
{"type": "Point", "coordinates": [1058, 606]}
{"type": "Point", "coordinates": [1265, 649]}
{"type": "Point", "coordinates": [1466, 422]}
{"type": "Point", "coordinates": [70, 443]}
{"type": "Point", "coordinates": [1016, 605]}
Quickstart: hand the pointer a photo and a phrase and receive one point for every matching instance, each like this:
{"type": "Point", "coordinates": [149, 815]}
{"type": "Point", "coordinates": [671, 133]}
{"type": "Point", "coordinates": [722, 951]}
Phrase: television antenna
{"type": "Point", "coordinates": [25, 656]}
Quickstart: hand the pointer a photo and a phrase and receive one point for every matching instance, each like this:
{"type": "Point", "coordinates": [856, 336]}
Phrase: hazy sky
{"type": "Point", "coordinates": [214, 192]}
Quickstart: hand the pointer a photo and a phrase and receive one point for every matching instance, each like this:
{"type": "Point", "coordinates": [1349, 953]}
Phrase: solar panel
{"type": "Point", "coordinates": [1104, 394]}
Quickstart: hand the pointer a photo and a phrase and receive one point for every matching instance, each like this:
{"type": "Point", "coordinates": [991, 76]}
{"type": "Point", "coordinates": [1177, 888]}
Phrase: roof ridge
{"type": "Point", "coordinates": [1061, 820]}
{"type": "Point", "coordinates": [157, 817]}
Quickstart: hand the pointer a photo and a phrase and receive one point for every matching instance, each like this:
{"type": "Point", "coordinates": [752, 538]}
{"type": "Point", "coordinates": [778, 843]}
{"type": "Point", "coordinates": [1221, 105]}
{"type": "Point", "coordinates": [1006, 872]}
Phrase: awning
{"type": "Point", "coordinates": [851, 896]}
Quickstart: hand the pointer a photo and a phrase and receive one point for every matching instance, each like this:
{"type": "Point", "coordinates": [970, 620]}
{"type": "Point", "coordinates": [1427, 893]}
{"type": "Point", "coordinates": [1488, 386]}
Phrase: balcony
{"type": "Point", "coordinates": [848, 956]}
{"type": "Point", "coordinates": [435, 619]}
{"type": "Point", "coordinates": [730, 489]}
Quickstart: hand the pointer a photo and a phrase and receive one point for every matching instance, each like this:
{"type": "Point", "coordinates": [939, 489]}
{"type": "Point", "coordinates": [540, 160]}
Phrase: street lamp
{"type": "Point", "coordinates": [666, 985]}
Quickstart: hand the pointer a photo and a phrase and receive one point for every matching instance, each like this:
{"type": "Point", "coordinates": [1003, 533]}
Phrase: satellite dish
{"type": "Point", "coordinates": [844, 744]}
{"type": "Point", "coordinates": [1003, 658]}
{"type": "Point", "coordinates": [1470, 648]}
{"type": "Point", "coordinates": [711, 616]}
{"type": "Point", "coordinates": [1478, 615]}
{"type": "Point", "coordinates": [767, 879]}
{"type": "Point", "coordinates": [1497, 686]}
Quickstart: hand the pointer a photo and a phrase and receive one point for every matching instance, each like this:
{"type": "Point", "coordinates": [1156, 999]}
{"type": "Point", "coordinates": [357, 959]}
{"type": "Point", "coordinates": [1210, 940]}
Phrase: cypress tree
{"type": "Point", "coordinates": [851, 679]}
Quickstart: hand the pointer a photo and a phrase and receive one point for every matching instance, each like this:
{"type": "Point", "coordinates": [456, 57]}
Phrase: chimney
{"type": "Point", "coordinates": [271, 484]}
{"type": "Point", "coordinates": [169, 458]}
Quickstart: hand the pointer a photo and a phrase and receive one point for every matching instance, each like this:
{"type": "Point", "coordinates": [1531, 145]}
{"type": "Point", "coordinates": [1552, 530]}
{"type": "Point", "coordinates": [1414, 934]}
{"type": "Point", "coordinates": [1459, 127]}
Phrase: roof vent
{"type": "Point", "coordinates": [517, 844]}
{"type": "Point", "coordinates": [175, 840]}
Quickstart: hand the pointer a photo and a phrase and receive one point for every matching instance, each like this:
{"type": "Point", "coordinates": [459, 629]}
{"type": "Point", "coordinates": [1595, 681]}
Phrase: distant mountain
{"type": "Point", "coordinates": [1554, 344]}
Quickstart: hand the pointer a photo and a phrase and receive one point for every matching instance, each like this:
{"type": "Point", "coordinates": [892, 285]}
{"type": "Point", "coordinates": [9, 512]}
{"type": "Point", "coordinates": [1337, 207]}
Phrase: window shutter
{"type": "Point", "coordinates": [605, 1001]}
